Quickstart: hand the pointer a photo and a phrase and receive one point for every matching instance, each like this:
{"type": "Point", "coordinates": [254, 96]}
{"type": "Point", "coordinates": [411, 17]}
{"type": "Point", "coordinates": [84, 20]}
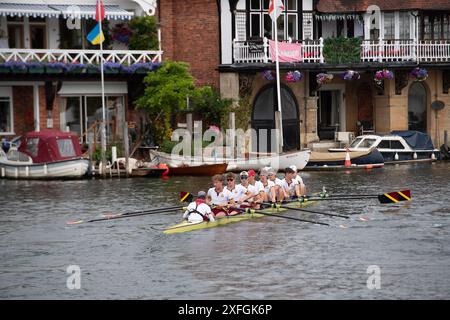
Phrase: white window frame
{"type": "Point", "coordinates": [7, 92]}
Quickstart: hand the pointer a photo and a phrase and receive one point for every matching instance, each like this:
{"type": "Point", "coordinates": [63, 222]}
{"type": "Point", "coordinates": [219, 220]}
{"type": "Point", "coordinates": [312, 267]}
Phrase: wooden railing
{"type": "Point", "coordinates": [80, 56]}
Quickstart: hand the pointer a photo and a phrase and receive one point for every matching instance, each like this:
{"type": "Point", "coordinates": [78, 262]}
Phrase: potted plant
{"type": "Point", "coordinates": [76, 67]}
{"type": "Point", "coordinates": [293, 76]}
{"type": "Point", "coordinates": [380, 75]}
{"type": "Point", "coordinates": [112, 67]}
{"type": "Point", "coordinates": [55, 67]}
{"type": "Point", "coordinates": [351, 75]}
{"type": "Point", "coordinates": [323, 78]}
{"type": "Point", "coordinates": [268, 75]}
{"type": "Point", "coordinates": [419, 74]}
{"type": "Point", "coordinates": [16, 66]}
{"type": "Point", "coordinates": [36, 67]}
{"type": "Point", "coordinates": [92, 68]}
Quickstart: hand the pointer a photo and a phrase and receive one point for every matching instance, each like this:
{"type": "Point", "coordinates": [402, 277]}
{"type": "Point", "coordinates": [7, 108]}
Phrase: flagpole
{"type": "Point", "coordinates": [277, 66]}
{"type": "Point", "coordinates": [103, 127]}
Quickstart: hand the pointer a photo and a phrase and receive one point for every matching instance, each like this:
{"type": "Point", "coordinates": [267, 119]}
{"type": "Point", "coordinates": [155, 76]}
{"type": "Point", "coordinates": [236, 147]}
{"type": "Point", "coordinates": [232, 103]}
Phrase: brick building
{"type": "Point", "coordinates": [226, 43]}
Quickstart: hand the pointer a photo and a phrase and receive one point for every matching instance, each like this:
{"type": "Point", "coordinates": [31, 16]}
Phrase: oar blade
{"type": "Point", "coordinates": [185, 196]}
{"type": "Point", "coordinates": [74, 222]}
{"type": "Point", "coordinates": [394, 197]}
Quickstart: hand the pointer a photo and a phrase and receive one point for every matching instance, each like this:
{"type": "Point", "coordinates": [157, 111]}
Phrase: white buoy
{"type": "Point", "coordinates": [27, 171]}
{"type": "Point", "coordinates": [433, 157]}
{"type": "Point", "coordinates": [396, 156]}
{"type": "Point", "coordinates": [16, 172]}
{"type": "Point", "coordinates": [415, 156]}
{"type": "Point", "coordinates": [3, 172]}
{"type": "Point", "coordinates": [45, 169]}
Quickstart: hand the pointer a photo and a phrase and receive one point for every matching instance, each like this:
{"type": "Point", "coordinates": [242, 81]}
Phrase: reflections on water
{"type": "Point", "coordinates": [265, 258]}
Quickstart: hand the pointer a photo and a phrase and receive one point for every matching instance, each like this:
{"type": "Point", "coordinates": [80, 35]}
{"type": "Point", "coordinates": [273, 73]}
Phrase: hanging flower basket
{"type": "Point", "coordinates": [4, 69]}
{"type": "Point", "coordinates": [419, 74]}
{"type": "Point", "coordinates": [323, 78]}
{"type": "Point", "coordinates": [140, 67]}
{"type": "Point", "coordinates": [55, 67]}
{"type": "Point", "coordinates": [351, 75]}
{"type": "Point", "coordinates": [92, 68]}
{"type": "Point", "coordinates": [380, 75]}
{"type": "Point", "coordinates": [268, 75]}
{"type": "Point", "coordinates": [36, 67]}
{"type": "Point", "coordinates": [293, 76]}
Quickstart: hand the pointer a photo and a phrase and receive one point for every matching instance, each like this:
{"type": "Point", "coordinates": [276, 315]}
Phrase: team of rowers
{"type": "Point", "coordinates": [222, 200]}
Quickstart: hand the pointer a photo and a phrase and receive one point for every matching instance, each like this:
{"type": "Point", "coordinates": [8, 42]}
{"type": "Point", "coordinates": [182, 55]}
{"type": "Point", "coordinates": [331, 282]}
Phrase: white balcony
{"type": "Point", "coordinates": [371, 51]}
{"type": "Point", "coordinates": [405, 50]}
{"type": "Point", "coordinates": [127, 57]}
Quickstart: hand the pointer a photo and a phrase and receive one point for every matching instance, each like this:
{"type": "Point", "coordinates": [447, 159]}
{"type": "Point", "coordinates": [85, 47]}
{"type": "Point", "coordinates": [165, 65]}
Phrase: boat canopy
{"type": "Point", "coordinates": [50, 145]}
{"type": "Point", "coordinates": [416, 140]}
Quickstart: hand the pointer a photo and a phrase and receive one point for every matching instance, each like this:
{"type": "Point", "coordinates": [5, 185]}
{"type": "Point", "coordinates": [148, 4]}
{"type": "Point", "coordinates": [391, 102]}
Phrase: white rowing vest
{"type": "Point", "coordinates": [221, 198]}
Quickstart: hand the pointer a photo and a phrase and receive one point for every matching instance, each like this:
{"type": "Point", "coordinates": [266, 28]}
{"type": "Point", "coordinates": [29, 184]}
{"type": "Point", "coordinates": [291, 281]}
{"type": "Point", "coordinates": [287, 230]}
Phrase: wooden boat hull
{"type": "Point", "coordinates": [186, 226]}
{"type": "Point", "coordinates": [278, 162]}
{"type": "Point", "coordinates": [336, 160]}
{"type": "Point", "coordinates": [201, 170]}
{"type": "Point", "coordinates": [148, 172]}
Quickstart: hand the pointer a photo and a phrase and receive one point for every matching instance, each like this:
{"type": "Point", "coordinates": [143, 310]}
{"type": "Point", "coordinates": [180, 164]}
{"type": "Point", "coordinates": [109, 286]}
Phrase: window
{"type": "Point", "coordinates": [355, 142]}
{"type": "Point", "coordinates": [32, 146]}
{"type": "Point", "coordinates": [395, 144]}
{"type": "Point", "coordinates": [404, 25]}
{"type": "Point", "coordinates": [6, 123]}
{"type": "Point", "coordinates": [389, 25]}
{"type": "Point", "coordinates": [65, 147]}
{"type": "Point", "coordinates": [288, 23]}
{"type": "Point", "coordinates": [367, 143]}
{"type": "Point", "coordinates": [384, 144]}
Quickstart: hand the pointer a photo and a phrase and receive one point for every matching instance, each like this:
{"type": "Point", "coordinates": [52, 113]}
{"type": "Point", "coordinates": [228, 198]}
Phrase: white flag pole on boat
{"type": "Point", "coordinates": [275, 9]}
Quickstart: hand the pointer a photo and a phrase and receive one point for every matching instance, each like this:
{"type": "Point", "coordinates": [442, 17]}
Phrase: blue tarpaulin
{"type": "Point", "coordinates": [417, 140]}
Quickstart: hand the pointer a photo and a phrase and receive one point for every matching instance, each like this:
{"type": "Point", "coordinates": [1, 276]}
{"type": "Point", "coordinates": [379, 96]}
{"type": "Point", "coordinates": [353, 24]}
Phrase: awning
{"type": "Point", "coordinates": [27, 10]}
{"type": "Point", "coordinates": [112, 12]}
{"type": "Point", "coordinates": [70, 88]}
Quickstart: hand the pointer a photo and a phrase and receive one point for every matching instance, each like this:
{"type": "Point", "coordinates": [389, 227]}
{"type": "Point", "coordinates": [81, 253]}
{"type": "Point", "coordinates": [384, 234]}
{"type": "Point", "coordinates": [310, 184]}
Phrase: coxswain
{"type": "Point", "coordinates": [198, 210]}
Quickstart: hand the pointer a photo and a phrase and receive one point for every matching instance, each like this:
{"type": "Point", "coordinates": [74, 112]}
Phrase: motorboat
{"type": "Point", "coordinates": [47, 154]}
{"type": "Point", "coordinates": [396, 147]}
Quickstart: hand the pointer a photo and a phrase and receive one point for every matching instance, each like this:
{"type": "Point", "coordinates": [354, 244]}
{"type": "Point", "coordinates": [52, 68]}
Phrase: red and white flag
{"type": "Point", "coordinates": [276, 7]}
{"type": "Point", "coordinates": [99, 11]}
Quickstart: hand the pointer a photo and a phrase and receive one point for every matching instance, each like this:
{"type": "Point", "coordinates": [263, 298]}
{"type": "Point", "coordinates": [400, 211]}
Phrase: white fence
{"type": "Point", "coordinates": [405, 50]}
{"type": "Point", "coordinates": [79, 56]}
{"type": "Point", "coordinates": [258, 51]}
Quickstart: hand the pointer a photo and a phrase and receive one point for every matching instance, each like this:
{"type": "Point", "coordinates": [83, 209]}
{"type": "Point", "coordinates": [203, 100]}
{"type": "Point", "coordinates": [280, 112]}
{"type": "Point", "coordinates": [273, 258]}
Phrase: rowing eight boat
{"type": "Point", "coordinates": [186, 226]}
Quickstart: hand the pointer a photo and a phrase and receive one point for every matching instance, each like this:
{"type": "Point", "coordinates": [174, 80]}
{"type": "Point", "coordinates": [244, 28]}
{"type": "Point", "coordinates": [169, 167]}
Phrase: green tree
{"type": "Point", "coordinates": [144, 33]}
{"type": "Point", "coordinates": [165, 96]}
{"type": "Point", "coordinates": [213, 109]}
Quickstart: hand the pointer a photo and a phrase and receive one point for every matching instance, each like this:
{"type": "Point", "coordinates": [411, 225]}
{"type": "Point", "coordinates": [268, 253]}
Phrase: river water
{"type": "Point", "coordinates": [406, 244]}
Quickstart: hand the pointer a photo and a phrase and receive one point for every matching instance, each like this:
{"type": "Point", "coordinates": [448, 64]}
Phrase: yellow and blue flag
{"type": "Point", "coordinates": [96, 35]}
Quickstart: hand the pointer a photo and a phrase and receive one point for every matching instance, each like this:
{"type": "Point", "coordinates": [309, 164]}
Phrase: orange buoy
{"type": "Point", "coordinates": [164, 166]}
{"type": "Point", "coordinates": [347, 162]}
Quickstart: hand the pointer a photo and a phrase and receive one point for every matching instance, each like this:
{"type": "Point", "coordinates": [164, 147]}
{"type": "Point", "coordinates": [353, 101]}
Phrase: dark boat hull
{"type": "Point", "coordinates": [203, 170]}
{"type": "Point", "coordinates": [373, 159]}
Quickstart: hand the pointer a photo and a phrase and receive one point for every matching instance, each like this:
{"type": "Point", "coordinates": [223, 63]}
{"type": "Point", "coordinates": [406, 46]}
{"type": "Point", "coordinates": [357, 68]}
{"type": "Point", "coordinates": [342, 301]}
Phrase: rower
{"type": "Point", "coordinates": [279, 191]}
{"type": "Point", "coordinates": [299, 179]}
{"type": "Point", "coordinates": [198, 210]}
{"type": "Point", "coordinates": [219, 198]}
{"type": "Point", "coordinates": [268, 191]}
{"type": "Point", "coordinates": [255, 187]}
{"type": "Point", "coordinates": [290, 185]}
{"type": "Point", "coordinates": [237, 190]}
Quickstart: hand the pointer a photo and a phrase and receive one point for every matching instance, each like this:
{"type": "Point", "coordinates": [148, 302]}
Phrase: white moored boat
{"type": "Point", "coordinates": [49, 154]}
{"type": "Point", "coordinates": [277, 161]}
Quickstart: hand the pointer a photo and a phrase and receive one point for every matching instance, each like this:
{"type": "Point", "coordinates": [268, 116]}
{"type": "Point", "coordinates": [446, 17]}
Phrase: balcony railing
{"type": "Point", "coordinates": [80, 56]}
{"type": "Point", "coordinates": [405, 50]}
{"type": "Point", "coordinates": [259, 51]}
{"type": "Point", "coordinates": [371, 51]}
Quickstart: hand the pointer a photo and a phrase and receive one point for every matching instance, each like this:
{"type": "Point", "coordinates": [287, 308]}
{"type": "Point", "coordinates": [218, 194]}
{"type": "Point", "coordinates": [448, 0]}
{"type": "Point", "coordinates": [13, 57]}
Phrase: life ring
{"type": "Point", "coordinates": [164, 166]}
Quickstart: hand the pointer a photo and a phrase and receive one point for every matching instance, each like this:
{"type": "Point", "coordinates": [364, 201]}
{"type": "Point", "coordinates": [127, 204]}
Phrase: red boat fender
{"type": "Point", "coordinates": [164, 166]}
